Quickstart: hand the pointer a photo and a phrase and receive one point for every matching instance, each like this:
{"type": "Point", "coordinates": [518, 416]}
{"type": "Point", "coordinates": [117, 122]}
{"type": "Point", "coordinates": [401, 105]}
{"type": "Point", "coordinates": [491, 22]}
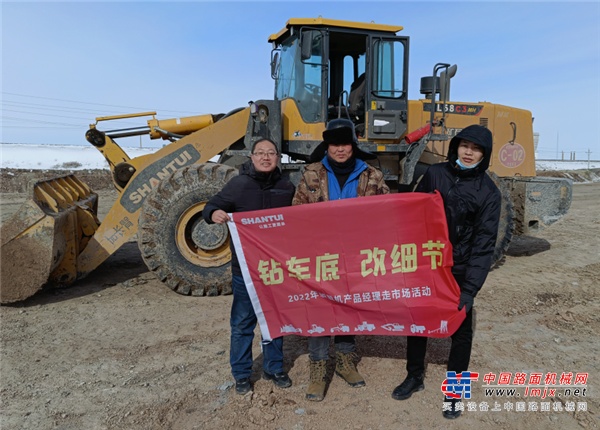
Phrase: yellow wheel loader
{"type": "Point", "coordinates": [322, 69]}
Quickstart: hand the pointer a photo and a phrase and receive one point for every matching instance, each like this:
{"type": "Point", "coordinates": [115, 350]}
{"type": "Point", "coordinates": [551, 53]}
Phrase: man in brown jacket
{"type": "Point", "coordinates": [338, 171]}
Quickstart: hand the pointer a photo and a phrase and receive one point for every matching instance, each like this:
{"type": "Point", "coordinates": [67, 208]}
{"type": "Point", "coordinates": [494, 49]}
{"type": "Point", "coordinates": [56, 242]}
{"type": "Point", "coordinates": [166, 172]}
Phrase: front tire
{"type": "Point", "coordinates": [190, 256]}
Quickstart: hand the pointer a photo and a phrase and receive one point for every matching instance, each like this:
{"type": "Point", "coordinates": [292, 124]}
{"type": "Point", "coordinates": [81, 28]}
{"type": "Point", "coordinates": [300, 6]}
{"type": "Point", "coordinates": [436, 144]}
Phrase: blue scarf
{"type": "Point", "coordinates": [350, 189]}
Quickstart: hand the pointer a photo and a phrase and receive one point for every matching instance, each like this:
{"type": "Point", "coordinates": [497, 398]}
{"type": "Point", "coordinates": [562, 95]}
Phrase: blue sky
{"type": "Point", "coordinates": [63, 64]}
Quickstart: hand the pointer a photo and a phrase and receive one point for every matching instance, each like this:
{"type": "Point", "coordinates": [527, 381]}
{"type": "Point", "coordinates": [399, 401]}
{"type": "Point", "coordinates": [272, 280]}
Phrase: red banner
{"type": "Point", "coordinates": [375, 265]}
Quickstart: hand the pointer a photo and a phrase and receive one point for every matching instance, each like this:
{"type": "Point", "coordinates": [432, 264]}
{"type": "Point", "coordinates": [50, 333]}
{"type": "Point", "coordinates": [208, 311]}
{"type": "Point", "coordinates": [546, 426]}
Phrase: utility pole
{"type": "Point", "coordinates": [589, 153]}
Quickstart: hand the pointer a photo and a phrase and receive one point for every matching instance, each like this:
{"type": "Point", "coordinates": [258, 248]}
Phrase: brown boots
{"type": "Point", "coordinates": [345, 367]}
{"type": "Point", "coordinates": [316, 388]}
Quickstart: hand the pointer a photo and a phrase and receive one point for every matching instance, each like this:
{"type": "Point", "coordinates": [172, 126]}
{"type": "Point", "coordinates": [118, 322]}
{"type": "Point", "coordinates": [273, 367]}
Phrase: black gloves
{"type": "Point", "coordinates": [465, 300]}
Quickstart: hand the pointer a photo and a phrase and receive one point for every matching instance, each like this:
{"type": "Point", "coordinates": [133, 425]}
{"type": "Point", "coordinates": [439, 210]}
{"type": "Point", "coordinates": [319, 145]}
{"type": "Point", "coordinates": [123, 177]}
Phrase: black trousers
{"type": "Point", "coordinates": [460, 351]}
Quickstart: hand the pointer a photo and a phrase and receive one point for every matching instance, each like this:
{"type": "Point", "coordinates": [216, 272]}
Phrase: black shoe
{"type": "Point", "coordinates": [243, 386]}
{"type": "Point", "coordinates": [451, 413]}
{"type": "Point", "coordinates": [410, 385]}
{"type": "Point", "coordinates": [281, 379]}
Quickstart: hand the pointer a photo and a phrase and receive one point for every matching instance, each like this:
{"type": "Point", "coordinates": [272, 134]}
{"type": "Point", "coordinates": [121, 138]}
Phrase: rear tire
{"type": "Point", "coordinates": [190, 256]}
{"type": "Point", "coordinates": [506, 225]}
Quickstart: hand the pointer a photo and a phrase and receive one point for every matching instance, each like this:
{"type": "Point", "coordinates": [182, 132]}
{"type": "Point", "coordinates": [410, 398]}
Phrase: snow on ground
{"type": "Point", "coordinates": [566, 165]}
{"type": "Point", "coordinates": [40, 157]}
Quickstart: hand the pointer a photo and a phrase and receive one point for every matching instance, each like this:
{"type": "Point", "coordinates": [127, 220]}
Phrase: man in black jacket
{"type": "Point", "coordinates": [472, 204]}
{"type": "Point", "coordinates": [260, 185]}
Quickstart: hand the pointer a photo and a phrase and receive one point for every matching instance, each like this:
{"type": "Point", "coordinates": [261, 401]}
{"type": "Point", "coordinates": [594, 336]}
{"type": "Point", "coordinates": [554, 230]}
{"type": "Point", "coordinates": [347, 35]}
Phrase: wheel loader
{"type": "Point", "coordinates": [322, 69]}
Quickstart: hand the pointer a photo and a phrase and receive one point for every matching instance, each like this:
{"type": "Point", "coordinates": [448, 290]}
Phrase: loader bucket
{"type": "Point", "coordinates": [41, 241]}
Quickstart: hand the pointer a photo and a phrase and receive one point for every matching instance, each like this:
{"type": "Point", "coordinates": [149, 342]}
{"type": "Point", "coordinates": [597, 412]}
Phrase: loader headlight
{"type": "Point", "coordinates": [263, 114]}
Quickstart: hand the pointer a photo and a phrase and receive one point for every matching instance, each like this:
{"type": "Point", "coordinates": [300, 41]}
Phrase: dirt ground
{"type": "Point", "coordinates": [119, 350]}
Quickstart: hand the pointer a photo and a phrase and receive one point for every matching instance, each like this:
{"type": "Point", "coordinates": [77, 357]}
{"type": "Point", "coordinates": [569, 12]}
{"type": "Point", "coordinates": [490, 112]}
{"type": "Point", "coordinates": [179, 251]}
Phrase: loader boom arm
{"type": "Point", "coordinates": [121, 223]}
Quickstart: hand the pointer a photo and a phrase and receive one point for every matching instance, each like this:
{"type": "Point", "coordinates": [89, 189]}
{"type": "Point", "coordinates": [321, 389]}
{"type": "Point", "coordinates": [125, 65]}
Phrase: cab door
{"type": "Point", "coordinates": [386, 97]}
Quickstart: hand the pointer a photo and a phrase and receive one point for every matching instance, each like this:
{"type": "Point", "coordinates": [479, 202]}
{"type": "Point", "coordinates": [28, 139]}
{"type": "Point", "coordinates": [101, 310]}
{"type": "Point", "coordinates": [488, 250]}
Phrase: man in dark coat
{"type": "Point", "coordinates": [472, 204]}
{"type": "Point", "coordinates": [260, 185]}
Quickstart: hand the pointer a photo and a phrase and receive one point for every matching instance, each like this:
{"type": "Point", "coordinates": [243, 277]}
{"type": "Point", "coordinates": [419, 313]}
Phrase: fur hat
{"type": "Point", "coordinates": [340, 131]}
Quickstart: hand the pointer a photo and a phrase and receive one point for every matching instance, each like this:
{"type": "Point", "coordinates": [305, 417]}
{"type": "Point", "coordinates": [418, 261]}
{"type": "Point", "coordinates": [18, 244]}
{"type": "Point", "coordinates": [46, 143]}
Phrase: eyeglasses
{"type": "Point", "coordinates": [270, 154]}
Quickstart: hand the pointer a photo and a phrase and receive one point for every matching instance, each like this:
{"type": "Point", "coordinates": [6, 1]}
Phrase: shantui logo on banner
{"type": "Point", "coordinates": [375, 265]}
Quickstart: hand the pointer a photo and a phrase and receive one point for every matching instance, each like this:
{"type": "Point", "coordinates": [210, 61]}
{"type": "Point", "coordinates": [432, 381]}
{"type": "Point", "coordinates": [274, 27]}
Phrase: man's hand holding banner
{"type": "Point", "coordinates": [375, 265]}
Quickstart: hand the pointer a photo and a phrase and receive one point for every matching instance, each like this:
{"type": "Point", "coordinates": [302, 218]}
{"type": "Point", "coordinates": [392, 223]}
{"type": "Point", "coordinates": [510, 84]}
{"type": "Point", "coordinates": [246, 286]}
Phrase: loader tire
{"type": "Point", "coordinates": [506, 225]}
{"type": "Point", "coordinates": [190, 256]}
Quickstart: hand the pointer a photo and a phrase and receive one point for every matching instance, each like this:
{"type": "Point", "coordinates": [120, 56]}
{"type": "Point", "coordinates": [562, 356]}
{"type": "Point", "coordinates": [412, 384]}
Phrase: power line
{"type": "Point", "coordinates": [48, 127]}
{"type": "Point", "coordinates": [45, 107]}
{"type": "Point", "coordinates": [43, 114]}
{"type": "Point", "coordinates": [41, 122]}
{"type": "Point", "coordinates": [90, 103]}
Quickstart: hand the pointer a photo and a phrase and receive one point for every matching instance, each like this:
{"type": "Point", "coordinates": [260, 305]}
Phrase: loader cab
{"type": "Point", "coordinates": [325, 69]}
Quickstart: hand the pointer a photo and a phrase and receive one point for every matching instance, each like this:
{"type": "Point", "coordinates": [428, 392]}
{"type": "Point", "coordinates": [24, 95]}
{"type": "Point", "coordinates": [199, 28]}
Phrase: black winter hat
{"type": "Point", "coordinates": [340, 131]}
{"type": "Point", "coordinates": [477, 134]}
